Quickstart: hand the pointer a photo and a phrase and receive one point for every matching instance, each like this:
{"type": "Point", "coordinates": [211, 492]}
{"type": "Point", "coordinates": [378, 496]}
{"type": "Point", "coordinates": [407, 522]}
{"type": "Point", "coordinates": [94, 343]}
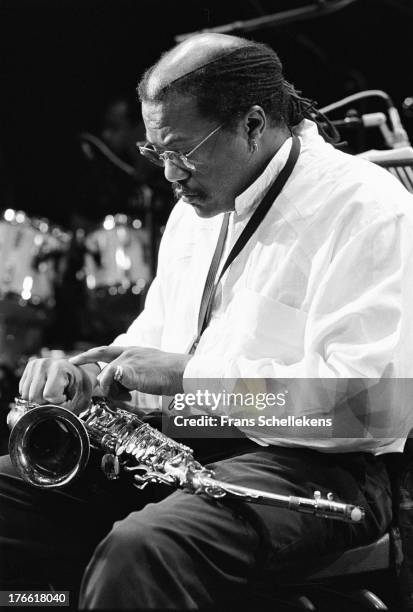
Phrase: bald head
{"type": "Point", "coordinates": [190, 55]}
{"type": "Point", "coordinates": [224, 76]}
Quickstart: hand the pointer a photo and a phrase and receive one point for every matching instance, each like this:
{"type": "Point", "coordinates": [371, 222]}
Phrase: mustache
{"type": "Point", "coordinates": [179, 190]}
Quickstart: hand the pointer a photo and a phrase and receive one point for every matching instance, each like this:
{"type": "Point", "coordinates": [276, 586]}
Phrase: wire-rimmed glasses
{"type": "Point", "coordinates": [177, 158]}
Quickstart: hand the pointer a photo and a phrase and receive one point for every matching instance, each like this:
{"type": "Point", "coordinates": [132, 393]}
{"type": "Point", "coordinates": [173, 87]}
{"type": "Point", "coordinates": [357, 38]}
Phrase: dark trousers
{"type": "Point", "coordinates": [183, 551]}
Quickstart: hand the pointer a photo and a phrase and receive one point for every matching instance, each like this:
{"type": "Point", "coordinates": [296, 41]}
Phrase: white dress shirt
{"type": "Point", "coordinates": [322, 290]}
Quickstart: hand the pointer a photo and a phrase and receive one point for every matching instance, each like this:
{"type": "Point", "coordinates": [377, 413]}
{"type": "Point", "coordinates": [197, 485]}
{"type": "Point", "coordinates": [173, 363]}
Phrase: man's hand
{"type": "Point", "coordinates": [144, 369]}
{"type": "Point", "coordinates": [57, 381]}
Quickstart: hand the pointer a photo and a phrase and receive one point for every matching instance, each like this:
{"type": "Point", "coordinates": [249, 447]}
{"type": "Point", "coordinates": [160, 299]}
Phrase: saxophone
{"type": "Point", "coordinates": [50, 446]}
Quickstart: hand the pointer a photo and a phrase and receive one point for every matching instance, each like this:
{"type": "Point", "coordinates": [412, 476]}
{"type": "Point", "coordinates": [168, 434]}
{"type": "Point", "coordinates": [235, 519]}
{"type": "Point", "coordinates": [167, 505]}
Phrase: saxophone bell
{"type": "Point", "coordinates": [49, 446]}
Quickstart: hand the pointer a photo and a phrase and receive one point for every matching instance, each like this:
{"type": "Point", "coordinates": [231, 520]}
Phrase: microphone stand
{"type": "Point", "coordinates": [317, 9]}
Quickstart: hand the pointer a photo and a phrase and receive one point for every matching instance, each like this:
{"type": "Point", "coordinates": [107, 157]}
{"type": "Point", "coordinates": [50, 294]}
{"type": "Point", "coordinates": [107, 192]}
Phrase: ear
{"type": "Point", "coordinates": [255, 122]}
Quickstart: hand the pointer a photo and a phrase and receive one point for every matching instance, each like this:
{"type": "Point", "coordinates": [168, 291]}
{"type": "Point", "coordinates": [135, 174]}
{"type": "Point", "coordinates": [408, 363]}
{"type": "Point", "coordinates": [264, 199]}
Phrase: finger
{"type": "Point", "coordinates": [24, 384]}
{"type": "Point", "coordinates": [36, 384]}
{"type": "Point", "coordinates": [106, 377]}
{"type": "Point", "coordinates": [111, 388]}
{"type": "Point", "coordinates": [101, 353]}
{"type": "Point", "coordinates": [57, 381]}
{"type": "Point", "coordinates": [27, 379]}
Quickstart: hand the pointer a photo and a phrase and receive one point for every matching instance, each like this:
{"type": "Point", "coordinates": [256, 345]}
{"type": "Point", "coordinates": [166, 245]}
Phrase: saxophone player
{"type": "Point", "coordinates": [314, 284]}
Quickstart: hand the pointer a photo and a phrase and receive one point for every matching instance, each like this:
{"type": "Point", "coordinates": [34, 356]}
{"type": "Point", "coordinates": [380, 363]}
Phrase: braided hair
{"type": "Point", "coordinates": [228, 85]}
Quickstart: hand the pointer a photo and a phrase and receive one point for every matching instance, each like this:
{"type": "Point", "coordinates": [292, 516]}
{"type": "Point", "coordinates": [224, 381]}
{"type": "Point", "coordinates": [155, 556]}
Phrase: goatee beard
{"type": "Point", "coordinates": [177, 191]}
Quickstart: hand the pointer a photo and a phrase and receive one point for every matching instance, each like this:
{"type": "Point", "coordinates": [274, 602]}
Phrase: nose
{"type": "Point", "coordinates": [174, 173]}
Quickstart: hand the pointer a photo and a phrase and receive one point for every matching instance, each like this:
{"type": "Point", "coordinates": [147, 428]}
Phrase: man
{"type": "Point", "coordinates": [320, 290]}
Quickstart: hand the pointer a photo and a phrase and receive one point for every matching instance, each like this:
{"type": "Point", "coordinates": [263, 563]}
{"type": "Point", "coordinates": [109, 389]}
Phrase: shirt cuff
{"type": "Point", "coordinates": [200, 368]}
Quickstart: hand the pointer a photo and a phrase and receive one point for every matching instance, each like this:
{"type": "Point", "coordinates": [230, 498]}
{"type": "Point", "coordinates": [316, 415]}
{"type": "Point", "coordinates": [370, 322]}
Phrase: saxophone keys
{"type": "Point", "coordinates": [130, 443]}
{"type": "Point", "coordinates": [120, 450]}
{"type": "Point", "coordinates": [139, 483]}
{"type": "Point", "coordinates": [138, 453]}
{"type": "Point", "coordinates": [141, 447]}
{"type": "Point", "coordinates": [150, 450]}
{"type": "Point", "coordinates": [133, 443]}
{"type": "Point", "coordinates": [110, 466]}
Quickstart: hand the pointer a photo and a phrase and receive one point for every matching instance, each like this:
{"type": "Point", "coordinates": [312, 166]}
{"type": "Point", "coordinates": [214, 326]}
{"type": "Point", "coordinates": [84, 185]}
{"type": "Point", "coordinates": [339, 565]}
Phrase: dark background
{"type": "Point", "coordinates": [61, 61]}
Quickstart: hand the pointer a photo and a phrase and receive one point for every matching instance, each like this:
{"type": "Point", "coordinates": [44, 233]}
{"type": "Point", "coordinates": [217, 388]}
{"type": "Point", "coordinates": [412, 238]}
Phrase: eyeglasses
{"type": "Point", "coordinates": [177, 158]}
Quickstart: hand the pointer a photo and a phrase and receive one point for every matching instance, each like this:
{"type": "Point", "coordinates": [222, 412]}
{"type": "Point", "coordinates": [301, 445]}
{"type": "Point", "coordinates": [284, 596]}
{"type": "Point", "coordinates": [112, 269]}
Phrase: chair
{"type": "Point", "coordinates": [401, 169]}
{"type": "Point", "coordinates": [387, 562]}
{"type": "Point", "coordinates": [397, 161]}
{"type": "Point", "coordinates": [346, 582]}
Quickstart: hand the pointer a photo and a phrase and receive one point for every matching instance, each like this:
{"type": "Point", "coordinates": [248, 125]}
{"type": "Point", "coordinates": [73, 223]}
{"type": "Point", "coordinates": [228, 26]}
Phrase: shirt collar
{"type": "Point", "coordinates": [249, 199]}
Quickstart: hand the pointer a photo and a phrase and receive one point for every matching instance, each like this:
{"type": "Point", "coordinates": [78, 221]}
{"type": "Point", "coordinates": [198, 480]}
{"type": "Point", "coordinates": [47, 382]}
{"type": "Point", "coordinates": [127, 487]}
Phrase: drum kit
{"type": "Point", "coordinates": [115, 271]}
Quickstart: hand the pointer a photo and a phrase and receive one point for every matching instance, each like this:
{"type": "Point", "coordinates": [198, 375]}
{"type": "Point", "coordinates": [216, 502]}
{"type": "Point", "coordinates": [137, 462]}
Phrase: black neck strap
{"type": "Point", "coordinates": [263, 207]}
